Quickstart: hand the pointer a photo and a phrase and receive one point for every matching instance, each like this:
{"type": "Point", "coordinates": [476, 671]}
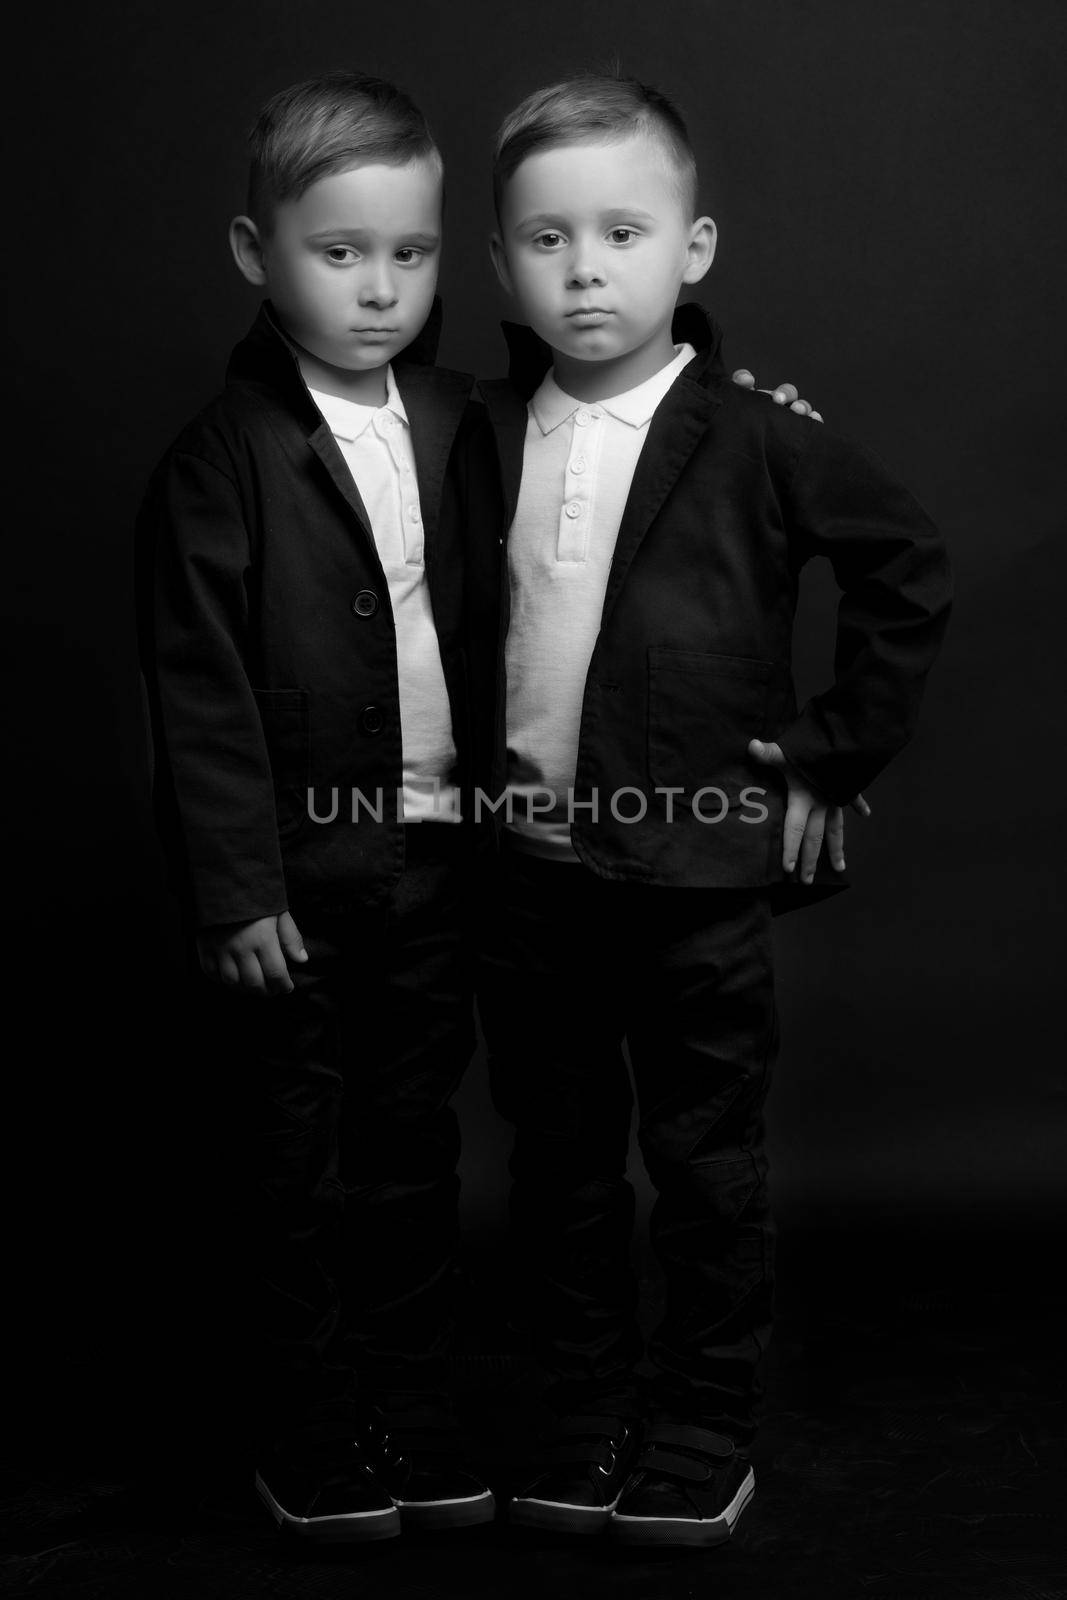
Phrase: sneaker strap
{"type": "Point", "coordinates": [425, 1431]}
{"type": "Point", "coordinates": [592, 1440]}
{"type": "Point", "coordinates": [590, 1427]}
{"type": "Point", "coordinates": [680, 1451]}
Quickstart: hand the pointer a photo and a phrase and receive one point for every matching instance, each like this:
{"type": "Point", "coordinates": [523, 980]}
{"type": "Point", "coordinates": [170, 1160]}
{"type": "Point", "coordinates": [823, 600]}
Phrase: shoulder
{"type": "Point", "coordinates": [729, 426]}
{"type": "Point", "coordinates": [238, 423]}
{"type": "Point", "coordinates": [451, 377]}
{"type": "Point", "coordinates": [751, 411]}
{"type": "Point", "coordinates": [505, 408]}
{"type": "Point", "coordinates": [784, 440]}
{"type": "Point", "coordinates": [444, 384]}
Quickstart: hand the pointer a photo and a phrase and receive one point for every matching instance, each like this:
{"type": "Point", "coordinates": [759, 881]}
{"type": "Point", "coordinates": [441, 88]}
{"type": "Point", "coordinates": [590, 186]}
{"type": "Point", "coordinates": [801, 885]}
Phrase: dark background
{"type": "Point", "coordinates": [887, 182]}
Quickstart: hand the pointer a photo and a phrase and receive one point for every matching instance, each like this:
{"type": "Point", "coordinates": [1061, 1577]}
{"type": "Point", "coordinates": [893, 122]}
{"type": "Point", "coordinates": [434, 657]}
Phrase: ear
{"type": "Point", "coordinates": [248, 252]}
{"type": "Point", "coordinates": [700, 251]}
{"type": "Point", "coordinates": [500, 262]}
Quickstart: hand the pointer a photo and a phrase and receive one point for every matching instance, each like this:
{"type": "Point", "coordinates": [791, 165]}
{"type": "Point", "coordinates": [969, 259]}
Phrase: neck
{"type": "Point", "coordinates": [599, 380]}
{"type": "Point", "coordinates": [362, 388]}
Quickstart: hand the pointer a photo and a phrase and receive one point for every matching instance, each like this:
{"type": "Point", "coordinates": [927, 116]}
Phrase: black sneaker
{"type": "Point", "coordinates": [418, 1459]}
{"type": "Point", "coordinates": [578, 1474]}
{"type": "Point", "coordinates": [689, 1486]}
{"type": "Point", "coordinates": [333, 1497]}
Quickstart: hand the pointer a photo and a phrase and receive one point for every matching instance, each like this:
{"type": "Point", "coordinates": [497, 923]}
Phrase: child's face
{"type": "Point", "coordinates": [594, 243]}
{"type": "Point", "coordinates": [351, 266]}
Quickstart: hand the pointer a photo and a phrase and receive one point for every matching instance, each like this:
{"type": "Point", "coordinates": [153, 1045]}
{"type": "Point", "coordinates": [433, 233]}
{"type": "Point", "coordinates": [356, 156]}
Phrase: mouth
{"type": "Point", "coordinates": [588, 316]}
{"type": "Point", "coordinates": [374, 333]}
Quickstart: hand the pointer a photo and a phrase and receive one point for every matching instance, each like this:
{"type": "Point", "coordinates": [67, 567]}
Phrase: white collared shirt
{"type": "Point", "coordinates": [578, 464]}
{"type": "Point", "coordinates": [376, 444]}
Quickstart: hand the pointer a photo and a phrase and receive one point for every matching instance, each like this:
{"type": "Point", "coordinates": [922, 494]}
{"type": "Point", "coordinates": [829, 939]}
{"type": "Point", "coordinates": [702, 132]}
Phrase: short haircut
{"type": "Point", "coordinates": [594, 107]}
{"type": "Point", "coordinates": [330, 124]}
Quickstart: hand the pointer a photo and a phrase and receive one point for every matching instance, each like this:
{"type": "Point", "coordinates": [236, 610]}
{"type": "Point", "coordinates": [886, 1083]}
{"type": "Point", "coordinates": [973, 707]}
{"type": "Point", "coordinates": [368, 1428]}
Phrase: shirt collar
{"type": "Point", "coordinates": [347, 420]}
{"type": "Point", "coordinates": [551, 406]}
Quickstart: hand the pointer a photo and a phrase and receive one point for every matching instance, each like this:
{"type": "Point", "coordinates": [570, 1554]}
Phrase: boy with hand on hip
{"type": "Point", "coordinates": [310, 604]}
{"type": "Point", "coordinates": [664, 794]}
{"type": "Point", "coordinates": [318, 610]}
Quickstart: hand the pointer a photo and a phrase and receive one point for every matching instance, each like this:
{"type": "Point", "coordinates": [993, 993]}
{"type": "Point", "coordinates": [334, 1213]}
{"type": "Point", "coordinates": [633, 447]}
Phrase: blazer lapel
{"type": "Point", "coordinates": [507, 413]}
{"type": "Point", "coordinates": [324, 445]}
{"type": "Point", "coordinates": [680, 422]}
{"type": "Point", "coordinates": [435, 401]}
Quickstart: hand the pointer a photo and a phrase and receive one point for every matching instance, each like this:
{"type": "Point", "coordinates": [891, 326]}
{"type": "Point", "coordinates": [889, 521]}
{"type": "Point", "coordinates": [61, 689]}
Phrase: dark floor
{"type": "Point", "coordinates": [913, 1448]}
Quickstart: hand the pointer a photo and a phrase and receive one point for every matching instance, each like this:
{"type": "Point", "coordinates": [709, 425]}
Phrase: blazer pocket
{"type": "Point", "coordinates": [702, 712]}
{"type": "Point", "coordinates": [284, 715]}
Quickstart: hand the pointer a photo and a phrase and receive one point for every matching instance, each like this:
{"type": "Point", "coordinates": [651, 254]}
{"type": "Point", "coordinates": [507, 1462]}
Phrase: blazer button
{"type": "Point", "coordinates": [366, 603]}
{"type": "Point", "coordinates": [371, 720]}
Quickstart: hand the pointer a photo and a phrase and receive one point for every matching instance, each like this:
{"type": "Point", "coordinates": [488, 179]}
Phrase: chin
{"type": "Point", "coordinates": [593, 350]}
{"type": "Point", "coordinates": [372, 357]}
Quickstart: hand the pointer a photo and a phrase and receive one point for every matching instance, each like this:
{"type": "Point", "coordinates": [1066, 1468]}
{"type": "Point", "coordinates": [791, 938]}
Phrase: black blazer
{"type": "Point", "coordinates": [730, 497]}
{"type": "Point", "coordinates": [268, 642]}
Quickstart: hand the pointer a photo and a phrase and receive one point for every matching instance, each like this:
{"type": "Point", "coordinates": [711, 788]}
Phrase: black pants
{"type": "Point", "coordinates": [350, 1150]}
{"type": "Point", "coordinates": [572, 965]}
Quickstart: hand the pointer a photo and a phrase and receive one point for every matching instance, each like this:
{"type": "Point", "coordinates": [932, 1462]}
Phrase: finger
{"type": "Point", "coordinates": [860, 806]}
{"type": "Point", "coordinates": [835, 838]}
{"type": "Point", "coordinates": [743, 378]}
{"type": "Point", "coordinates": [796, 817]}
{"type": "Point", "coordinates": [816, 416]}
{"type": "Point", "coordinates": [801, 407]}
{"type": "Point", "coordinates": [227, 970]}
{"type": "Point", "coordinates": [770, 754]}
{"type": "Point", "coordinates": [290, 938]}
{"type": "Point", "coordinates": [785, 394]}
{"type": "Point", "coordinates": [812, 842]}
{"type": "Point", "coordinates": [275, 972]}
{"type": "Point", "coordinates": [251, 972]}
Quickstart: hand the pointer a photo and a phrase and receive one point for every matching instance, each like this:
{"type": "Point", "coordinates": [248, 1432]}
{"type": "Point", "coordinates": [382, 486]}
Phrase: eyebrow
{"type": "Point", "coordinates": [539, 219]}
{"type": "Point", "coordinates": [627, 214]}
{"type": "Point", "coordinates": [545, 219]}
{"type": "Point", "coordinates": [322, 235]}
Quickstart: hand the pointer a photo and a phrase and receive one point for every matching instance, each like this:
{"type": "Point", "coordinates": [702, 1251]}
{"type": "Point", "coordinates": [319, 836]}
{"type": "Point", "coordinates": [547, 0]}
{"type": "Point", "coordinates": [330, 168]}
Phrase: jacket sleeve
{"type": "Point", "coordinates": [213, 789]}
{"type": "Point", "coordinates": [893, 572]}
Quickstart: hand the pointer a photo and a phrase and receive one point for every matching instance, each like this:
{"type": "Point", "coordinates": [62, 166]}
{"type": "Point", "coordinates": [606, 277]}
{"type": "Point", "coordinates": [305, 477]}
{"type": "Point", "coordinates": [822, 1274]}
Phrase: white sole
{"type": "Point", "coordinates": [558, 1516]}
{"type": "Point", "coordinates": [685, 1530]}
{"type": "Point", "coordinates": [466, 1513]}
{"type": "Point", "coordinates": [349, 1527]}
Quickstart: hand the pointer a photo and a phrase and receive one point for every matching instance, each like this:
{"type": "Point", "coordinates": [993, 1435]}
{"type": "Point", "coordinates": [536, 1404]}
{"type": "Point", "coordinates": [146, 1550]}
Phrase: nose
{"type": "Point", "coordinates": [585, 267]}
{"type": "Point", "coordinates": [378, 287]}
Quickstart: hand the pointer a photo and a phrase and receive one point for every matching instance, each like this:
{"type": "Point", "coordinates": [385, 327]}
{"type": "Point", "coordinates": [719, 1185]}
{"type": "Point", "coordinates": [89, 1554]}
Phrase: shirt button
{"type": "Point", "coordinates": [413, 514]}
{"type": "Point", "coordinates": [387, 420]}
{"type": "Point", "coordinates": [581, 418]}
{"type": "Point", "coordinates": [371, 720]}
{"type": "Point", "coordinates": [572, 509]}
{"type": "Point", "coordinates": [366, 603]}
{"type": "Point", "coordinates": [578, 464]}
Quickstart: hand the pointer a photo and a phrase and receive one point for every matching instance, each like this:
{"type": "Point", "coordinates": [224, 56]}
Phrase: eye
{"type": "Point", "coordinates": [548, 240]}
{"type": "Point", "coordinates": [340, 255]}
{"type": "Point", "coordinates": [407, 255]}
{"type": "Point", "coordinates": [622, 235]}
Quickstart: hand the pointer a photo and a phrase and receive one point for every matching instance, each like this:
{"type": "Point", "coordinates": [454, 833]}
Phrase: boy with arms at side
{"type": "Point", "coordinates": [665, 796]}
{"type": "Point", "coordinates": [310, 581]}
